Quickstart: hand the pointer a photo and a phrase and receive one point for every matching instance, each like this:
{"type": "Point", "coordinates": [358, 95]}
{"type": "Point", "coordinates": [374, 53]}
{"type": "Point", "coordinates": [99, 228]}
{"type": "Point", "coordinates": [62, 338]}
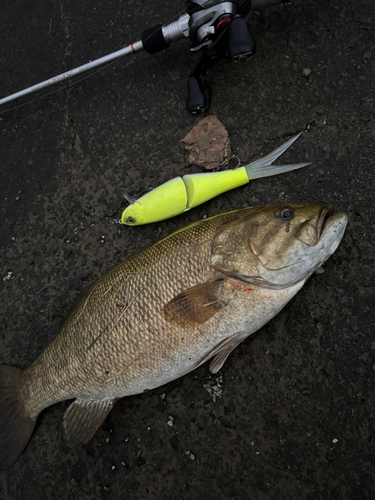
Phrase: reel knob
{"type": "Point", "coordinates": [241, 43]}
{"type": "Point", "coordinates": [196, 101]}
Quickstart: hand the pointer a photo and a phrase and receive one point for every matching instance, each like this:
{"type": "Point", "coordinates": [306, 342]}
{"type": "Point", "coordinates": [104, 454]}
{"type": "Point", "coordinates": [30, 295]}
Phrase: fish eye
{"type": "Point", "coordinates": [285, 213]}
{"type": "Point", "coordinates": [130, 220]}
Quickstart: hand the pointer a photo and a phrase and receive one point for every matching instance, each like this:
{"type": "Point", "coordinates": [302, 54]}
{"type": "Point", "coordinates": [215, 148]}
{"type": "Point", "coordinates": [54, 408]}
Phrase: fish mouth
{"type": "Point", "coordinates": [324, 221]}
{"type": "Point", "coordinates": [312, 230]}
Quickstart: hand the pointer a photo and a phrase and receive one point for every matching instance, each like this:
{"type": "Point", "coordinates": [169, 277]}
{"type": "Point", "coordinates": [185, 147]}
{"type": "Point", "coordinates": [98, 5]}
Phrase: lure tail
{"type": "Point", "coordinates": [264, 168]}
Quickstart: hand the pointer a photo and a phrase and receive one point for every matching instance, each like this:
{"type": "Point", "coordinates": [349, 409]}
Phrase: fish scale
{"type": "Point", "coordinates": [193, 296]}
{"type": "Point", "coordinates": [83, 326]}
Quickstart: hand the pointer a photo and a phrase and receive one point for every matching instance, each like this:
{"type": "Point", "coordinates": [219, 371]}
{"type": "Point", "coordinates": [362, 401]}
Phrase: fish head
{"type": "Point", "coordinates": [277, 246]}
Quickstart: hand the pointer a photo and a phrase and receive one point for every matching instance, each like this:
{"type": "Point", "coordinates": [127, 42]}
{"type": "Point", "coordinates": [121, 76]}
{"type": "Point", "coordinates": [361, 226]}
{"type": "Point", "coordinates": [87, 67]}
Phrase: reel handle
{"type": "Point", "coordinates": [241, 43]}
{"type": "Point", "coordinates": [196, 101]}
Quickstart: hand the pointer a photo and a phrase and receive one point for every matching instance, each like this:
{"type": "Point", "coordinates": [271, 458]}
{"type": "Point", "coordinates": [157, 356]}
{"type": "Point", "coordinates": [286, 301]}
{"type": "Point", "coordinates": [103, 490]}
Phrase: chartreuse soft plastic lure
{"type": "Point", "coordinates": [183, 193]}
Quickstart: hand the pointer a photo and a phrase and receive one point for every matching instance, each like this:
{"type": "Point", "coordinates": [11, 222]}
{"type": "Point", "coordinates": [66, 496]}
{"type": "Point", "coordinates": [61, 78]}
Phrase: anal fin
{"type": "Point", "coordinates": [221, 352]}
{"type": "Point", "coordinates": [83, 417]}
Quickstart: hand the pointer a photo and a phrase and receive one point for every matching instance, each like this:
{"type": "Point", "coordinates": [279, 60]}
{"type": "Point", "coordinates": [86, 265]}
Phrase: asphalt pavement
{"type": "Point", "coordinates": [291, 413]}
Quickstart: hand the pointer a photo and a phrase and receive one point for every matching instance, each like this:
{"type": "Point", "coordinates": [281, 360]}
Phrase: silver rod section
{"type": "Point", "coordinates": [130, 49]}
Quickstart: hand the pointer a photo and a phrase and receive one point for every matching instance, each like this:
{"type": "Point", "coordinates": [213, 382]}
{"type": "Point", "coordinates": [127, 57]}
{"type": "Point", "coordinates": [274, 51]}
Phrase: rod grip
{"type": "Point", "coordinates": [153, 39]}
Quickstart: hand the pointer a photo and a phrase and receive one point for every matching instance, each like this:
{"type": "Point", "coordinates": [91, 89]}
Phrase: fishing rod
{"type": "Point", "coordinates": [216, 27]}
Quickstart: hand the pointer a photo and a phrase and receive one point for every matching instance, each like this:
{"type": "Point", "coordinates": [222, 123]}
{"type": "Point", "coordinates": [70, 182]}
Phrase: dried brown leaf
{"type": "Point", "coordinates": [208, 143]}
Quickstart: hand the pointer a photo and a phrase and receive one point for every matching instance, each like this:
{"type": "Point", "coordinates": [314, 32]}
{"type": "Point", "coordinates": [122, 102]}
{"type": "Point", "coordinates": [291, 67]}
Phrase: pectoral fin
{"type": "Point", "coordinates": [196, 305]}
{"type": "Point", "coordinates": [83, 417]}
{"type": "Point", "coordinates": [221, 352]}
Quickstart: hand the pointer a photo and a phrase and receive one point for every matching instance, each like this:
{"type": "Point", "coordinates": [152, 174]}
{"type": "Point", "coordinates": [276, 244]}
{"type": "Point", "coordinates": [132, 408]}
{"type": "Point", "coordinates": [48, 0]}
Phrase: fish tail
{"type": "Point", "coordinates": [15, 426]}
{"type": "Point", "coordinates": [263, 166]}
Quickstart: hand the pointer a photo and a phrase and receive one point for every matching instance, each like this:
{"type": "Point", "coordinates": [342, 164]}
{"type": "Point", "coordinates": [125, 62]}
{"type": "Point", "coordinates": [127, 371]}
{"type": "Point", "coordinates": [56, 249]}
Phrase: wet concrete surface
{"type": "Point", "coordinates": [296, 415]}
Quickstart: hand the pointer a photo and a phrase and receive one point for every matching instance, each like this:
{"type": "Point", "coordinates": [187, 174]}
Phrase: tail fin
{"type": "Point", "coordinates": [15, 426]}
{"type": "Point", "coordinates": [264, 168]}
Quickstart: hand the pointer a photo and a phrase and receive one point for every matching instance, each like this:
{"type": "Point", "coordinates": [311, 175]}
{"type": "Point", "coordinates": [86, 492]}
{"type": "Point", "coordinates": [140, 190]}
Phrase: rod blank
{"type": "Point", "coordinates": [130, 49]}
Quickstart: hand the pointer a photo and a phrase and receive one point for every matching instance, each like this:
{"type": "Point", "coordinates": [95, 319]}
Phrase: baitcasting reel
{"type": "Point", "coordinates": [216, 27]}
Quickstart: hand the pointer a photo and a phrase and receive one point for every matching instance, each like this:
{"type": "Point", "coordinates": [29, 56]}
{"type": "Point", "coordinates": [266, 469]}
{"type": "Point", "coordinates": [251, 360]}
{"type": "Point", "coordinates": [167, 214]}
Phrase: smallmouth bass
{"type": "Point", "coordinates": [193, 296]}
